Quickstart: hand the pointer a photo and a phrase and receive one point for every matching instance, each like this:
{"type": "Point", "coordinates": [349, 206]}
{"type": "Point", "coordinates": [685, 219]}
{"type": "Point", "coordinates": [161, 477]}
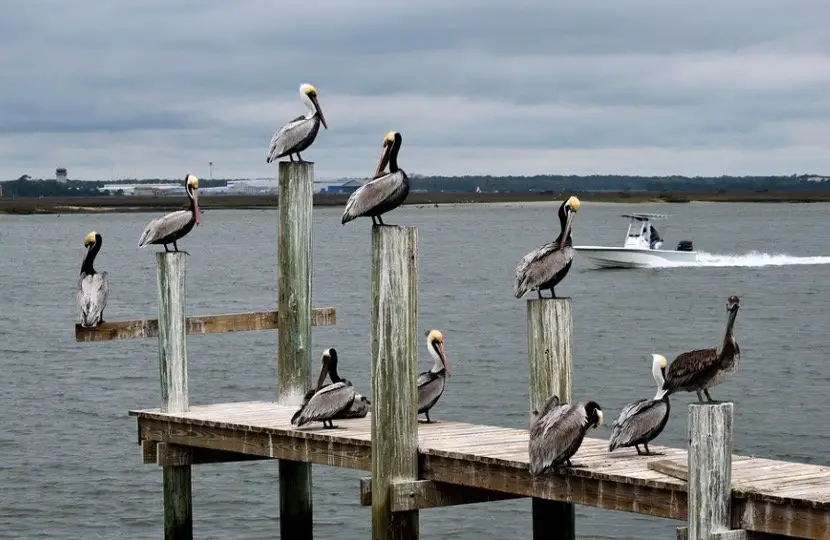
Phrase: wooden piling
{"type": "Point", "coordinates": [178, 509]}
{"type": "Point", "coordinates": [549, 327]}
{"type": "Point", "coordinates": [395, 376]}
{"type": "Point", "coordinates": [710, 469]}
{"type": "Point", "coordinates": [296, 182]}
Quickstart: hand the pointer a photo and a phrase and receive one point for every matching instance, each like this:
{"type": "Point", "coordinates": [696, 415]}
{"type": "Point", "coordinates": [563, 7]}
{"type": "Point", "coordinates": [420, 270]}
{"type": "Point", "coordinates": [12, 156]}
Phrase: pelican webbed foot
{"type": "Point", "coordinates": [649, 452]}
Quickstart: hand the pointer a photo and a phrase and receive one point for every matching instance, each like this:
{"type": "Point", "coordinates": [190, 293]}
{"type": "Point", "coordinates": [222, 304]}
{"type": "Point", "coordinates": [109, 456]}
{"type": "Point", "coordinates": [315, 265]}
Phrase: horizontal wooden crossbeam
{"type": "Point", "coordinates": [165, 454]}
{"type": "Point", "coordinates": [670, 468]}
{"type": "Point", "coordinates": [738, 534]}
{"type": "Point", "coordinates": [420, 494]}
{"type": "Point", "coordinates": [200, 324]}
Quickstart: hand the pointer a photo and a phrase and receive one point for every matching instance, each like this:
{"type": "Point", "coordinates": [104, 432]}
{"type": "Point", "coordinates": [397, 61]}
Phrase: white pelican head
{"type": "Point", "coordinates": [435, 344]}
{"type": "Point", "coordinates": [90, 238]}
{"type": "Point", "coordinates": [309, 95]}
{"type": "Point", "coordinates": [566, 216]}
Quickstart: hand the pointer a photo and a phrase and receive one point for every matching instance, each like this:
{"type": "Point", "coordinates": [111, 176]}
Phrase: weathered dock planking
{"type": "Point", "coordinates": [767, 496]}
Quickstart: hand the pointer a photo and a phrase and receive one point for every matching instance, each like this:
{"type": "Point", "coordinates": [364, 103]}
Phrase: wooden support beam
{"type": "Point", "coordinates": [420, 494]}
{"type": "Point", "coordinates": [683, 534]}
{"type": "Point", "coordinates": [160, 453]}
{"type": "Point", "coordinates": [394, 377]}
{"type": "Point", "coordinates": [178, 508]}
{"type": "Point", "coordinates": [296, 181]}
{"type": "Point", "coordinates": [198, 325]}
{"type": "Point", "coordinates": [710, 469]}
{"type": "Point", "coordinates": [549, 328]}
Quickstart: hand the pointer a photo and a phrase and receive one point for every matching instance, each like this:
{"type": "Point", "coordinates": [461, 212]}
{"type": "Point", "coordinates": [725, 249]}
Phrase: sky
{"type": "Point", "coordinates": [159, 88]}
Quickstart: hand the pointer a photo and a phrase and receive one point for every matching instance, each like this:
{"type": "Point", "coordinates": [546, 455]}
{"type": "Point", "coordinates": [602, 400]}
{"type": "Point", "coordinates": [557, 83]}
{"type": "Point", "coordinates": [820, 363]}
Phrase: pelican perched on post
{"type": "Point", "coordinates": [556, 433]}
{"type": "Point", "coordinates": [172, 227]}
{"type": "Point", "coordinates": [298, 134]}
{"type": "Point", "coordinates": [332, 401]}
{"type": "Point", "coordinates": [92, 286]}
{"type": "Point", "coordinates": [641, 421]}
{"type": "Point", "coordinates": [702, 369]}
{"type": "Point", "coordinates": [383, 193]}
{"type": "Point", "coordinates": [431, 383]}
{"type": "Point", "coordinates": [546, 266]}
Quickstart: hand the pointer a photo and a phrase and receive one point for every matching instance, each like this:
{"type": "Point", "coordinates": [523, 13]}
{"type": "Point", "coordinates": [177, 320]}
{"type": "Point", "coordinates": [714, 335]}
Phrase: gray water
{"type": "Point", "coordinates": [69, 463]}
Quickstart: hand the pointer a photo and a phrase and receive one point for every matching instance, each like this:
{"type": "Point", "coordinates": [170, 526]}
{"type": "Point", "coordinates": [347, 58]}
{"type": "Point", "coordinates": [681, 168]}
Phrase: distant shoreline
{"type": "Point", "coordinates": [68, 205]}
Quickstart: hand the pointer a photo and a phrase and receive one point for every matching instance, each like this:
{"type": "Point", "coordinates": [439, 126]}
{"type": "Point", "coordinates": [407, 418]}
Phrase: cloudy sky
{"type": "Point", "coordinates": [161, 87]}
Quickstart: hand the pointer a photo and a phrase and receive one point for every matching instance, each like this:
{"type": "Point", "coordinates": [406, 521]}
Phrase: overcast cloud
{"type": "Point", "coordinates": [159, 88]}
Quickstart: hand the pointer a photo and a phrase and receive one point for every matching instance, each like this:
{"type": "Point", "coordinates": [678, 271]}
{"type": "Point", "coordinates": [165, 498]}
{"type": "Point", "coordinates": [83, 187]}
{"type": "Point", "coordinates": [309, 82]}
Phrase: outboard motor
{"type": "Point", "coordinates": [685, 245]}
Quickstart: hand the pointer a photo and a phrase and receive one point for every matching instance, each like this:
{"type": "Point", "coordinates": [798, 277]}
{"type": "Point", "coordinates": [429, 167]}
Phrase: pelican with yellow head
{"type": "Point", "coordinates": [92, 288]}
{"type": "Point", "coordinates": [546, 266]}
{"type": "Point", "coordinates": [298, 134]}
{"type": "Point", "coordinates": [384, 192]}
{"type": "Point", "coordinates": [431, 383]}
{"type": "Point", "coordinates": [172, 227]}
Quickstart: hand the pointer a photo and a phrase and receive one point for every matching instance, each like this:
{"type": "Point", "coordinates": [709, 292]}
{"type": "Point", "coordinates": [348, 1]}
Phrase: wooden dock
{"type": "Point", "coordinates": [419, 466]}
{"type": "Point", "coordinates": [776, 497]}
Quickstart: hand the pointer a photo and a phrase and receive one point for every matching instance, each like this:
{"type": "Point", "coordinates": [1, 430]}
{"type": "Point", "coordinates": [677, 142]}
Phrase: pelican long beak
{"type": "Point", "coordinates": [384, 159]}
{"type": "Point", "coordinates": [319, 111]}
{"type": "Point", "coordinates": [196, 211]}
{"type": "Point", "coordinates": [320, 380]}
{"type": "Point", "coordinates": [567, 230]}
{"type": "Point", "coordinates": [599, 416]}
{"type": "Point", "coordinates": [443, 356]}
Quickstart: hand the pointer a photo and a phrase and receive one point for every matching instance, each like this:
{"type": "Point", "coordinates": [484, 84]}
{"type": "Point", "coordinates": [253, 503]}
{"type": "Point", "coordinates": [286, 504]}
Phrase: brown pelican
{"type": "Point", "coordinates": [557, 432]}
{"type": "Point", "coordinates": [92, 286]}
{"type": "Point", "coordinates": [383, 193]}
{"type": "Point", "coordinates": [643, 420]}
{"type": "Point", "coordinates": [702, 369]}
{"type": "Point", "coordinates": [298, 134]}
{"type": "Point", "coordinates": [175, 225]}
{"type": "Point", "coordinates": [547, 265]}
{"type": "Point", "coordinates": [431, 383]}
{"type": "Point", "coordinates": [331, 401]}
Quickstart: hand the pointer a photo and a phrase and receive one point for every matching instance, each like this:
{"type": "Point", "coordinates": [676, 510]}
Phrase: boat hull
{"type": "Point", "coordinates": [616, 257]}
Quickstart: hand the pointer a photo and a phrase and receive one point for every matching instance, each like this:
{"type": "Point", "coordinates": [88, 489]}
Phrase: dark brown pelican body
{"type": "Point", "coordinates": [431, 383]}
{"type": "Point", "coordinates": [384, 193]}
{"type": "Point", "coordinates": [557, 433]}
{"type": "Point", "coordinates": [172, 227]}
{"type": "Point", "coordinates": [699, 370]}
{"type": "Point", "coordinates": [546, 266]}
{"type": "Point", "coordinates": [93, 287]}
{"type": "Point", "coordinates": [298, 134]}
{"type": "Point", "coordinates": [332, 401]}
{"type": "Point", "coordinates": [643, 420]}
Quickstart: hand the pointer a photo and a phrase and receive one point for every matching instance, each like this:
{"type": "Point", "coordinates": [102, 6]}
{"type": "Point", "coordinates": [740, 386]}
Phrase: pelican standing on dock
{"type": "Point", "coordinates": [641, 421]}
{"type": "Point", "coordinates": [172, 227]}
{"type": "Point", "coordinates": [556, 433]}
{"type": "Point", "coordinates": [431, 383]}
{"type": "Point", "coordinates": [546, 266]}
{"type": "Point", "coordinates": [298, 134]}
{"type": "Point", "coordinates": [700, 370]}
{"type": "Point", "coordinates": [383, 193]}
{"type": "Point", "coordinates": [92, 286]}
{"type": "Point", "coordinates": [332, 401]}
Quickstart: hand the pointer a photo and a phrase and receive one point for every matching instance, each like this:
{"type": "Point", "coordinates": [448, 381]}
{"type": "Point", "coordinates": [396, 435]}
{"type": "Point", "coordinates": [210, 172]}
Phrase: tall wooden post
{"type": "Point", "coordinates": [710, 469]}
{"type": "Point", "coordinates": [178, 509]}
{"type": "Point", "coordinates": [294, 363]}
{"type": "Point", "coordinates": [394, 376]}
{"type": "Point", "coordinates": [550, 355]}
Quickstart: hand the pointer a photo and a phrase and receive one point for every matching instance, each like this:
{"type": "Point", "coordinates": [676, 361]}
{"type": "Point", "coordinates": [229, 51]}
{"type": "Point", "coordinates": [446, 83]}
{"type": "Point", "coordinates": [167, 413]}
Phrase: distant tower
{"type": "Point", "coordinates": [60, 175]}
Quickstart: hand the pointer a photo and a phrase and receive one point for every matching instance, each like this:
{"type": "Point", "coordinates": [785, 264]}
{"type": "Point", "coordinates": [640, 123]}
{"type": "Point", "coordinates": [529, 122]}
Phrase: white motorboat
{"type": "Point", "coordinates": [642, 247]}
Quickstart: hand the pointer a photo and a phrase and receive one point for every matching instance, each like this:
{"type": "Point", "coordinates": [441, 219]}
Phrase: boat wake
{"type": "Point", "coordinates": [751, 259]}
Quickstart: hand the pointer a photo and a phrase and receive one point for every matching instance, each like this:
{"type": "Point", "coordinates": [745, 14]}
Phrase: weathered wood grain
{"type": "Point", "coordinates": [709, 469]}
{"type": "Point", "coordinates": [394, 334]}
{"type": "Point", "coordinates": [296, 181]}
{"type": "Point", "coordinates": [178, 509]}
{"type": "Point", "coordinates": [551, 372]}
{"type": "Point", "coordinates": [198, 325]}
{"type": "Point", "coordinates": [422, 494]}
{"type": "Point", "coordinates": [670, 468]}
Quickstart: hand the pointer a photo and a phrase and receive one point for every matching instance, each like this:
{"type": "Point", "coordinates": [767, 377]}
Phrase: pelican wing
{"type": "Point", "coordinates": [289, 136]}
{"type": "Point", "coordinates": [164, 226]}
{"type": "Point", "coordinates": [326, 404]}
{"type": "Point", "coordinates": [691, 368]}
{"type": "Point", "coordinates": [91, 297]}
{"type": "Point", "coordinates": [374, 194]}
{"type": "Point", "coordinates": [554, 435]}
{"type": "Point", "coordinates": [637, 421]}
{"type": "Point", "coordinates": [360, 407]}
{"type": "Point", "coordinates": [539, 266]}
{"type": "Point", "coordinates": [430, 388]}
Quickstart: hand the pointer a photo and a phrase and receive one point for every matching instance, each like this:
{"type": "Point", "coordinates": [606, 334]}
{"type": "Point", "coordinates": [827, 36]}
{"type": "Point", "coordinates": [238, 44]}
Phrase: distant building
{"type": "Point", "coordinates": [60, 175]}
{"type": "Point", "coordinates": [346, 187]}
